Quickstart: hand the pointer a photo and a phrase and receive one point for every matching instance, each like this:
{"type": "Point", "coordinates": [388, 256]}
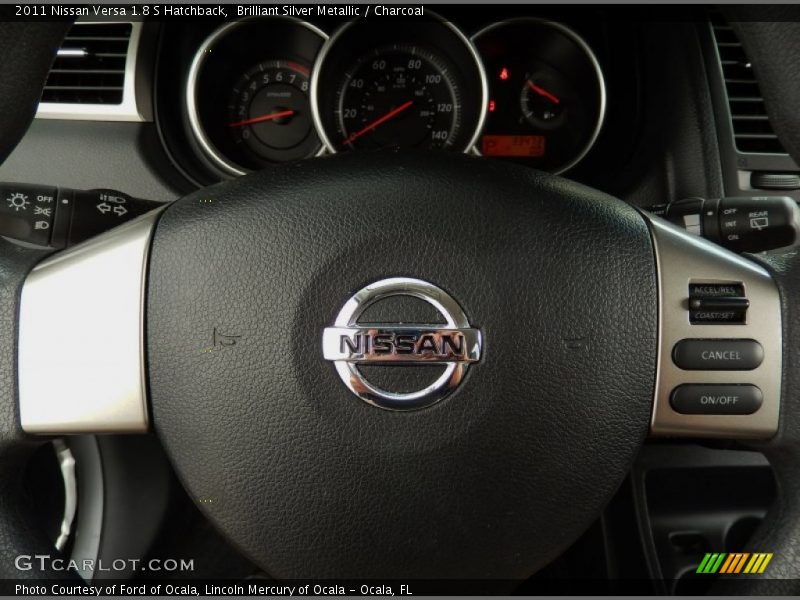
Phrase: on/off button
{"type": "Point", "coordinates": [712, 399]}
{"type": "Point", "coordinates": [718, 355]}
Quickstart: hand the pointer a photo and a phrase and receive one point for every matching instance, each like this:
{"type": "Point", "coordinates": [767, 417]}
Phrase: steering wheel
{"type": "Point", "coordinates": [391, 365]}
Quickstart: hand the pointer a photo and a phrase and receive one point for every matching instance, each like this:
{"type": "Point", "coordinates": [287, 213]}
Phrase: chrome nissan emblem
{"type": "Point", "coordinates": [453, 344]}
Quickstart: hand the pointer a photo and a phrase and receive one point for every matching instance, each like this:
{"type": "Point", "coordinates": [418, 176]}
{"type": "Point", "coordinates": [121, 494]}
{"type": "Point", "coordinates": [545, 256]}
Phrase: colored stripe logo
{"type": "Point", "coordinates": [734, 563]}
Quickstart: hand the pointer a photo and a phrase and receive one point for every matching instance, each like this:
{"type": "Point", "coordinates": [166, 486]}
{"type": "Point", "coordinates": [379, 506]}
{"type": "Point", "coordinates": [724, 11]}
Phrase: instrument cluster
{"type": "Point", "coordinates": [269, 90]}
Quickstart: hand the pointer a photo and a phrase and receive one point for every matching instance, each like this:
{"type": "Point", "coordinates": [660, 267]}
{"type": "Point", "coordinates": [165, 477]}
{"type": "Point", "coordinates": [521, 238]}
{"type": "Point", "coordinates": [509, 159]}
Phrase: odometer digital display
{"type": "Point", "coordinates": [513, 145]}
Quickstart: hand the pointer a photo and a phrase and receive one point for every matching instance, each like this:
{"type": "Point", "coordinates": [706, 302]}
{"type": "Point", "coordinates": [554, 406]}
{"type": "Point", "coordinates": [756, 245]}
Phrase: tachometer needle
{"type": "Point", "coordinates": [544, 93]}
{"type": "Point", "coordinates": [392, 113]}
{"type": "Point", "coordinates": [262, 118]}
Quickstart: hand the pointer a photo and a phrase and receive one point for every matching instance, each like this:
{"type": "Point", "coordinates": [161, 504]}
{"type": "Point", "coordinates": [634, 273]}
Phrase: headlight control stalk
{"type": "Point", "coordinates": [741, 224]}
{"type": "Point", "coordinates": [61, 217]}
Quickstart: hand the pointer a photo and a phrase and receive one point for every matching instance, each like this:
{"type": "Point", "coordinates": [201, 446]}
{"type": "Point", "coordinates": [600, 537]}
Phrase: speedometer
{"type": "Point", "coordinates": [390, 85]}
{"type": "Point", "coordinates": [398, 96]}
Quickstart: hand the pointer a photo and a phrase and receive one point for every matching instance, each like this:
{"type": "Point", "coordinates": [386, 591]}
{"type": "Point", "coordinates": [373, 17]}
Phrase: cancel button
{"type": "Point", "coordinates": [711, 399]}
{"type": "Point", "coordinates": [717, 355]}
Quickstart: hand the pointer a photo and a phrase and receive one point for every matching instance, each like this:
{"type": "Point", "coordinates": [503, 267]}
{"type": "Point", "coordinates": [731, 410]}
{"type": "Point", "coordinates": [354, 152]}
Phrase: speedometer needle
{"type": "Point", "coordinates": [262, 118]}
{"type": "Point", "coordinates": [392, 113]}
{"type": "Point", "coordinates": [544, 93]}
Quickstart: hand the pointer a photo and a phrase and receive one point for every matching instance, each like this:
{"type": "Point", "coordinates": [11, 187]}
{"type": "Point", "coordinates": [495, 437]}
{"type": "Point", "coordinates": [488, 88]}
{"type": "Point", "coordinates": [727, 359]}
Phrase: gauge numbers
{"type": "Point", "coordinates": [398, 96]}
{"type": "Point", "coordinates": [269, 112]}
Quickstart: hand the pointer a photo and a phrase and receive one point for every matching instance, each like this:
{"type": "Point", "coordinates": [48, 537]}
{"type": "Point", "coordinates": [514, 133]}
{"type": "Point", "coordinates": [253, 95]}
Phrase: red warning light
{"type": "Point", "coordinates": [492, 105]}
{"type": "Point", "coordinates": [504, 74]}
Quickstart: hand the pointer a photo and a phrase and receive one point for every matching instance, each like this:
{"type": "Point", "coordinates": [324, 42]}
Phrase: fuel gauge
{"type": "Point", "coordinates": [547, 95]}
{"type": "Point", "coordinates": [540, 101]}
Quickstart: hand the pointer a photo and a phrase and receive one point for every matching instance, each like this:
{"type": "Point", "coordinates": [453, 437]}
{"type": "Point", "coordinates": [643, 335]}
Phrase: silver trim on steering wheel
{"type": "Point", "coordinates": [81, 336]}
{"type": "Point", "coordinates": [683, 259]}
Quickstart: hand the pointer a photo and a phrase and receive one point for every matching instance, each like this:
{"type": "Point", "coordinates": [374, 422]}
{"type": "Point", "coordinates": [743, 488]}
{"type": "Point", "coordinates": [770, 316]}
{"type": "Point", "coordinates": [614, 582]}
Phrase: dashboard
{"type": "Point", "coordinates": [239, 96]}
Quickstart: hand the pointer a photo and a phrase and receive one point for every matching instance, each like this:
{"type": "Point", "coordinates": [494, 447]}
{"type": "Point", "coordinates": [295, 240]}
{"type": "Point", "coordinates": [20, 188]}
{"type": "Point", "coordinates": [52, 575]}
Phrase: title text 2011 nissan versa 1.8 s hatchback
{"type": "Point", "coordinates": [381, 299]}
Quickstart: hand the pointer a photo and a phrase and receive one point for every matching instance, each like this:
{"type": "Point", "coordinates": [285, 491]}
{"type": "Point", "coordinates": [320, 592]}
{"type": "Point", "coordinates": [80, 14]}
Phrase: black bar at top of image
{"type": "Point", "coordinates": [461, 12]}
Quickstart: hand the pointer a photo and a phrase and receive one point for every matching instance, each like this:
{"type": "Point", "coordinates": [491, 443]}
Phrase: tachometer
{"type": "Point", "coordinates": [268, 112]}
{"type": "Point", "coordinates": [398, 96]}
{"type": "Point", "coordinates": [396, 86]}
{"type": "Point", "coordinates": [247, 94]}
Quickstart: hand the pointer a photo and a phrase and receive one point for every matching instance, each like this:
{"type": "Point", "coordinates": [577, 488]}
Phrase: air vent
{"type": "Point", "coordinates": [90, 66]}
{"type": "Point", "coordinates": [752, 131]}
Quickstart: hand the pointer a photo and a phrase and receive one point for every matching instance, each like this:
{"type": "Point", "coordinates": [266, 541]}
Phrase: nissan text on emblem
{"type": "Point", "coordinates": [452, 344]}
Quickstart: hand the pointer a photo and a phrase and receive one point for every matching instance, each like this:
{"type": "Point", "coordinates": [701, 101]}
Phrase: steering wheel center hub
{"type": "Point", "coordinates": [536, 391]}
{"type": "Point", "coordinates": [350, 343]}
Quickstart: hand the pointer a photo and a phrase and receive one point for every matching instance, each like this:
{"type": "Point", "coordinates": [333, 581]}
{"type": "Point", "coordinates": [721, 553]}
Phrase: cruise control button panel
{"type": "Point", "coordinates": [720, 341]}
{"type": "Point", "coordinates": [717, 303]}
{"type": "Point", "coordinates": [704, 399]}
{"type": "Point", "coordinates": [718, 355]}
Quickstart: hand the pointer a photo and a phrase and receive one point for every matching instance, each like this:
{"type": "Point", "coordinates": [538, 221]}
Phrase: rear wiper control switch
{"type": "Point", "coordinates": [741, 224]}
